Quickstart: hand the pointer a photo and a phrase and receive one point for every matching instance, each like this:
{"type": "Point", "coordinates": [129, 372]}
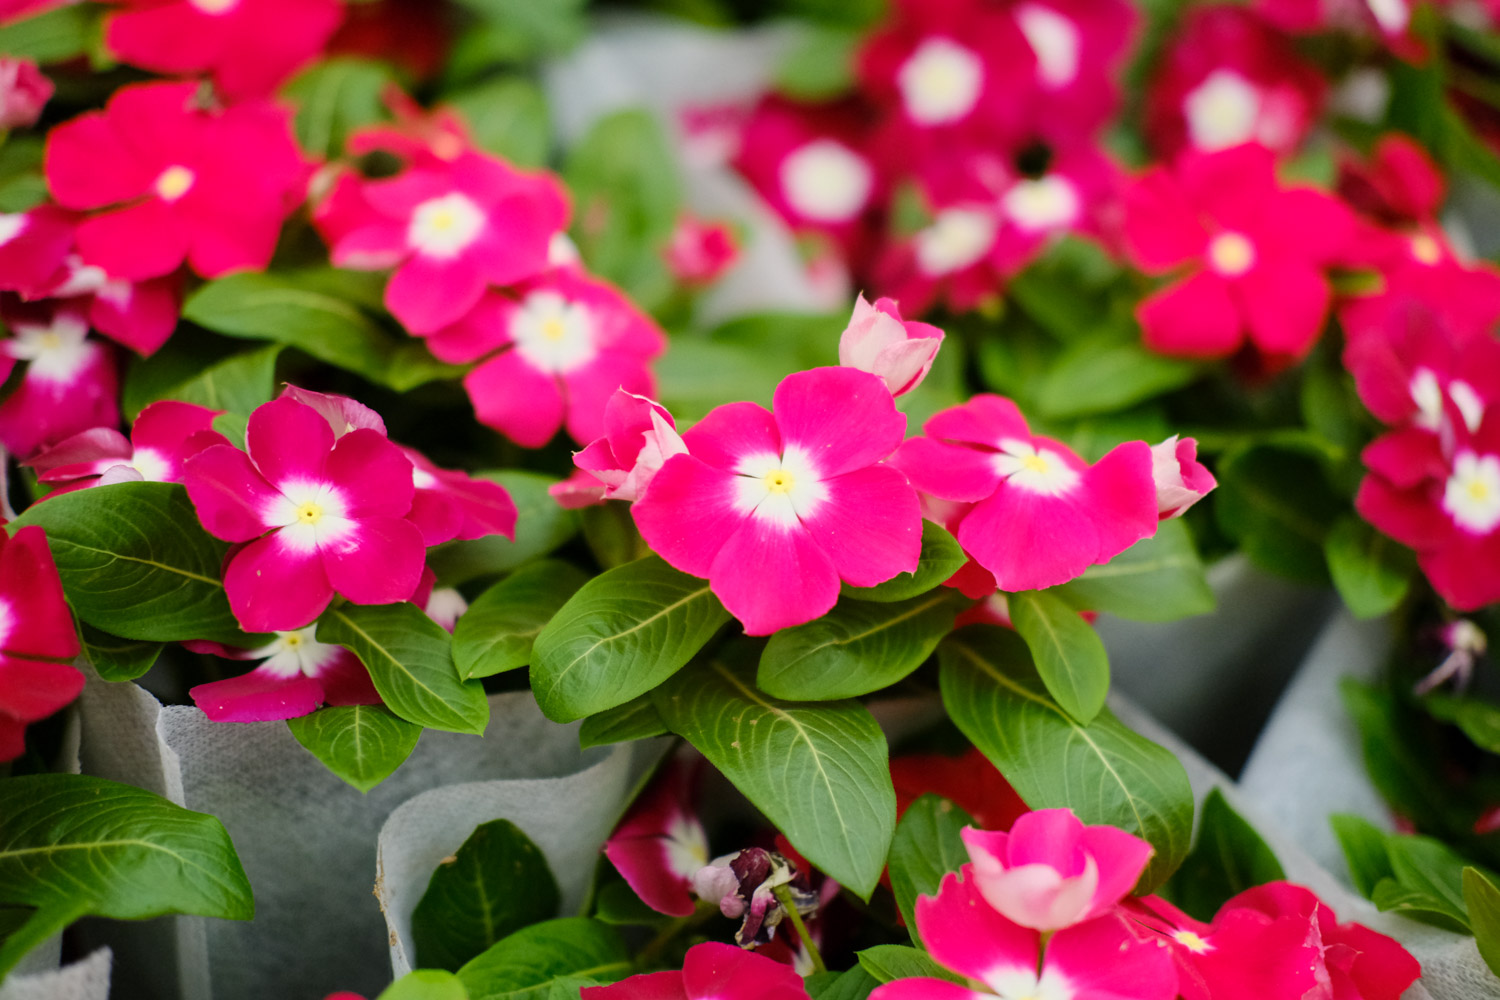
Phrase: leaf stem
{"type": "Point", "coordinates": [784, 897]}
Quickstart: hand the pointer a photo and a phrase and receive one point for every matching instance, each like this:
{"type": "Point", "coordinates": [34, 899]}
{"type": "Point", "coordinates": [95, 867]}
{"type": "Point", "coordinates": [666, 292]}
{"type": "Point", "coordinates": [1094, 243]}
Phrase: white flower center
{"type": "Point", "coordinates": [422, 479]}
{"type": "Point", "coordinates": [1221, 111]}
{"type": "Point", "coordinates": [1054, 39]}
{"type": "Point", "coordinates": [1391, 15]}
{"type": "Point", "coordinates": [957, 238]}
{"type": "Point", "coordinates": [11, 226]}
{"type": "Point", "coordinates": [1231, 254]}
{"type": "Point", "coordinates": [940, 82]}
{"type": "Point", "coordinates": [1194, 943]}
{"type": "Point", "coordinates": [1472, 495]}
{"type": "Point", "coordinates": [687, 846]}
{"type": "Point", "coordinates": [1023, 984]}
{"type": "Point", "coordinates": [444, 227]}
{"type": "Point", "coordinates": [311, 515]}
{"type": "Point", "coordinates": [1039, 470]}
{"type": "Point", "coordinates": [215, 6]}
{"type": "Point", "coordinates": [1043, 204]}
{"type": "Point", "coordinates": [57, 353]}
{"type": "Point", "coordinates": [552, 333]}
{"type": "Point", "coordinates": [174, 182]}
{"type": "Point", "coordinates": [297, 652]}
{"type": "Point", "coordinates": [781, 488]}
{"type": "Point", "coordinates": [152, 465]}
{"type": "Point", "coordinates": [7, 621]}
{"type": "Point", "coordinates": [826, 181]}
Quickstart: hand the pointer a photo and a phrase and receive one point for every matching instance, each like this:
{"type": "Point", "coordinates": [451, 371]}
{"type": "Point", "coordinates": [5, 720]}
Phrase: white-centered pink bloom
{"type": "Point", "coordinates": [660, 845]}
{"type": "Point", "coordinates": [449, 504]}
{"type": "Point", "coordinates": [24, 91]}
{"type": "Point", "coordinates": [639, 436]}
{"type": "Point", "coordinates": [1181, 480]}
{"type": "Point", "coordinates": [69, 384]}
{"type": "Point", "coordinates": [450, 229]}
{"type": "Point", "coordinates": [710, 971]}
{"type": "Point", "coordinates": [320, 517]}
{"type": "Point", "coordinates": [33, 248]}
{"type": "Point", "coordinates": [877, 340]}
{"type": "Point", "coordinates": [297, 674]}
{"type": "Point", "coordinates": [35, 631]}
{"type": "Point", "coordinates": [164, 436]}
{"type": "Point", "coordinates": [1051, 871]}
{"type": "Point", "coordinates": [774, 509]}
{"type": "Point", "coordinates": [140, 315]}
{"type": "Point", "coordinates": [1041, 515]}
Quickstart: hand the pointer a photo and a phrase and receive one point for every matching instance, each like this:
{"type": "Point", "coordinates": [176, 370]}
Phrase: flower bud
{"type": "Point", "coordinates": [878, 341]}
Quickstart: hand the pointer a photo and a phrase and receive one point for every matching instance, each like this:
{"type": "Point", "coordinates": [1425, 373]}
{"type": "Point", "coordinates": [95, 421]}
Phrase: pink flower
{"type": "Point", "coordinates": [165, 435]}
{"type": "Point", "coordinates": [710, 971]}
{"type": "Point", "coordinates": [140, 315]}
{"type": "Point", "coordinates": [450, 229]}
{"type": "Point", "coordinates": [69, 384]}
{"type": "Point", "coordinates": [1050, 871]}
{"type": "Point", "coordinates": [1413, 369]}
{"type": "Point", "coordinates": [1041, 515]}
{"type": "Point", "coordinates": [660, 845]}
{"type": "Point", "coordinates": [1255, 253]}
{"type": "Point", "coordinates": [774, 509]}
{"type": "Point", "coordinates": [448, 504]}
{"type": "Point", "coordinates": [1100, 958]}
{"type": "Point", "coordinates": [33, 247]}
{"type": "Point", "coordinates": [297, 674]}
{"type": "Point", "coordinates": [1391, 19]}
{"type": "Point", "coordinates": [35, 631]}
{"type": "Point", "coordinates": [877, 340]}
{"type": "Point", "coordinates": [700, 252]}
{"type": "Point", "coordinates": [183, 183]}
{"type": "Point", "coordinates": [319, 517]}
{"type": "Point", "coordinates": [248, 46]}
{"type": "Point", "coordinates": [1181, 480]}
{"type": "Point", "coordinates": [639, 436]}
{"type": "Point", "coordinates": [566, 342]}
{"type": "Point", "coordinates": [23, 93]}
{"type": "Point", "coordinates": [342, 413]}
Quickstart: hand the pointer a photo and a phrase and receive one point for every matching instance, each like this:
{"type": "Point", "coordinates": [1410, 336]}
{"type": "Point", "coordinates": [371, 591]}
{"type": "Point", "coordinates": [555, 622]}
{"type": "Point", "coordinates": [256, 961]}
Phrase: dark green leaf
{"type": "Point", "coordinates": [637, 719]}
{"type": "Point", "coordinates": [527, 962]}
{"type": "Point", "coordinates": [941, 558]}
{"type": "Point", "coordinates": [857, 648]}
{"type": "Point", "coordinates": [362, 744]}
{"type": "Point", "coordinates": [1100, 375]}
{"type": "Point", "coordinates": [1364, 851]}
{"type": "Point", "coordinates": [619, 906]}
{"type": "Point", "coordinates": [1371, 571]}
{"type": "Point", "coordinates": [410, 659]}
{"type": "Point", "coordinates": [819, 772]}
{"type": "Point", "coordinates": [1068, 653]}
{"type": "Point", "coordinates": [508, 117]}
{"type": "Point", "coordinates": [334, 97]}
{"type": "Point", "coordinates": [426, 984]}
{"type": "Point", "coordinates": [135, 562]}
{"type": "Point", "coordinates": [1155, 580]}
{"type": "Point", "coordinates": [116, 659]}
{"type": "Point", "coordinates": [1228, 858]}
{"type": "Point", "coordinates": [1482, 901]}
{"type": "Point", "coordinates": [1276, 503]}
{"type": "Point", "coordinates": [541, 526]}
{"type": "Point", "coordinates": [497, 632]}
{"type": "Point", "coordinates": [54, 36]}
{"type": "Point", "coordinates": [621, 635]}
{"type": "Point", "coordinates": [412, 364]}
{"type": "Point", "coordinates": [887, 962]}
{"type": "Point", "coordinates": [237, 384]}
{"type": "Point", "coordinates": [1104, 772]}
{"type": "Point", "coordinates": [1391, 896]}
{"type": "Point", "coordinates": [496, 884]}
{"type": "Point", "coordinates": [854, 984]}
{"type": "Point", "coordinates": [610, 531]}
{"type": "Point", "coordinates": [926, 847]}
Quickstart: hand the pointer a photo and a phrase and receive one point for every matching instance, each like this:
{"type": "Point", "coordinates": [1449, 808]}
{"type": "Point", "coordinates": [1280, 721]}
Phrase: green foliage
{"type": "Point", "coordinates": [744, 359]}
{"type": "Point", "coordinates": [116, 659]}
{"type": "Point", "coordinates": [1099, 374]}
{"type": "Point", "coordinates": [497, 632]}
{"type": "Point", "coordinates": [1418, 877]}
{"type": "Point", "coordinates": [941, 557]}
{"type": "Point", "coordinates": [820, 66]}
{"type": "Point", "coordinates": [54, 36]}
{"type": "Point", "coordinates": [1104, 772]}
{"type": "Point", "coordinates": [1068, 653]}
{"type": "Point", "coordinates": [1228, 858]}
{"type": "Point", "coordinates": [541, 526]}
{"type": "Point", "coordinates": [533, 30]}
{"type": "Point", "coordinates": [508, 117]}
{"type": "Point", "coordinates": [426, 984]}
{"type": "Point", "coordinates": [333, 97]}
{"type": "Point", "coordinates": [237, 383]}
{"type": "Point", "coordinates": [886, 962]}
{"type": "Point", "coordinates": [637, 719]}
{"type": "Point", "coordinates": [497, 883]}
{"type": "Point", "coordinates": [1274, 501]}
{"type": "Point", "coordinates": [1372, 572]}
{"type": "Point", "coordinates": [362, 744]}
{"type": "Point", "coordinates": [525, 965]}
{"type": "Point", "coordinates": [1482, 901]}
{"type": "Point", "coordinates": [819, 772]}
{"type": "Point", "coordinates": [926, 847]}
{"type": "Point", "coordinates": [854, 984]}
{"type": "Point", "coordinates": [1155, 580]}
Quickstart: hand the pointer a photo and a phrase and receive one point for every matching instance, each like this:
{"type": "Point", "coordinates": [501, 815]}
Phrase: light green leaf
{"type": "Point", "coordinates": [1157, 579]}
{"type": "Point", "coordinates": [37, 926]}
{"type": "Point", "coordinates": [853, 984]}
{"type": "Point", "coordinates": [333, 97]}
{"type": "Point", "coordinates": [637, 719]}
{"type": "Point", "coordinates": [820, 66]}
{"type": "Point", "coordinates": [362, 744]}
{"type": "Point", "coordinates": [1104, 772]}
{"type": "Point", "coordinates": [541, 526]}
{"type": "Point", "coordinates": [1372, 572]}
{"type": "Point", "coordinates": [617, 905]}
{"type": "Point", "coordinates": [508, 117]}
{"type": "Point", "coordinates": [497, 632]}
{"type": "Point", "coordinates": [621, 635]}
{"type": "Point", "coordinates": [234, 427]}
{"type": "Point", "coordinates": [744, 359]}
{"type": "Point", "coordinates": [819, 772]}
{"type": "Point", "coordinates": [1364, 851]}
{"type": "Point", "coordinates": [1430, 873]}
{"type": "Point", "coordinates": [426, 984]}
{"type": "Point", "coordinates": [497, 883]}
{"type": "Point", "coordinates": [857, 648]}
{"type": "Point", "coordinates": [926, 847]}
{"type": "Point", "coordinates": [1482, 901]}
{"type": "Point", "coordinates": [1391, 896]}
{"type": "Point", "coordinates": [410, 659]}
{"type": "Point", "coordinates": [1100, 374]}
{"type": "Point", "coordinates": [887, 962]}
{"type": "Point", "coordinates": [57, 35]}
{"type": "Point", "coordinates": [1228, 858]}
{"type": "Point", "coordinates": [941, 558]}
{"type": "Point", "coordinates": [525, 964]}
{"type": "Point", "coordinates": [237, 384]}
{"type": "Point", "coordinates": [116, 659]}
{"type": "Point", "coordinates": [1068, 653]}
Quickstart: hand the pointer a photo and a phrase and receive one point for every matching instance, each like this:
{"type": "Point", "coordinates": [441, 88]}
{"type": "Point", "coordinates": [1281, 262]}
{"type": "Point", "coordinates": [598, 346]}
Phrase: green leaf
{"type": "Point", "coordinates": [233, 426]}
{"type": "Point", "coordinates": [819, 772]}
{"type": "Point", "coordinates": [116, 659]}
{"type": "Point", "coordinates": [857, 648]}
{"type": "Point", "coordinates": [334, 97]}
{"type": "Point", "coordinates": [134, 562]}
{"type": "Point", "coordinates": [37, 926]}
{"type": "Point", "coordinates": [72, 844]}
{"type": "Point", "coordinates": [1069, 655]}
{"type": "Point", "coordinates": [527, 962]}
{"type": "Point", "coordinates": [410, 659]}
{"type": "Point", "coordinates": [237, 384]}
{"type": "Point", "coordinates": [820, 66]}
{"type": "Point", "coordinates": [362, 744]}
{"type": "Point", "coordinates": [926, 847]}
{"type": "Point", "coordinates": [426, 984]}
{"type": "Point", "coordinates": [541, 526]}
{"type": "Point", "coordinates": [1364, 851]}
{"type": "Point", "coordinates": [1372, 572]}
{"type": "Point", "coordinates": [55, 36]}
{"type": "Point", "coordinates": [887, 962]}
{"type": "Point", "coordinates": [854, 984]}
{"type": "Point", "coordinates": [1104, 772]}
{"type": "Point", "coordinates": [1155, 580]}
{"type": "Point", "coordinates": [508, 117]}
{"type": "Point", "coordinates": [941, 558]}
{"type": "Point", "coordinates": [1228, 858]}
{"type": "Point", "coordinates": [637, 719]}
{"type": "Point", "coordinates": [1100, 375]}
{"type": "Point", "coordinates": [1431, 875]}
{"type": "Point", "coordinates": [496, 884]}
{"type": "Point", "coordinates": [1482, 901]}
{"type": "Point", "coordinates": [1480, 722]}
{"type": "Point", "coordinates": [539, 28]}
{"type": "Point", "coordinates": [1390, 896]}
{"type": "Point", "coordinates": [497, 632]}
{"type": "Point", "coordinates": [1276, 503]}
{"type": "Point", "coordinates": [621, 635]}
{"type": "Point", "coordinates": [619, 906]}
{"type": "Point", "coordinates": [412, 364]}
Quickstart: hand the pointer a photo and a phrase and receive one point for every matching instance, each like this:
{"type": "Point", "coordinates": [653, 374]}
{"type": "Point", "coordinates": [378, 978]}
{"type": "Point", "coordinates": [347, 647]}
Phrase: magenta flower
{"type": "Point", "coordinates": [140, 315]}
{"type": "Point", "coordinates": [24, 91]}
{"type": "Point", "coordinates": [660, 845]}
{"type": "Point", "coordinates": [448, 504]}
{"type": "Point", "coordinates": [1041, 515]}
{"type": "Point", "coordinates": [297, 674]}
{"type": "Point", "coordinates": [69, 384]}
{"type": "Point", "coordinates": [1181, 480]}
{"type": "Point", "coordinates": [36, 632]}
{"type": "Point", "coordinates": [165, 435]}
{"type": "Point", "coordinates": [639, 436]}
{"type": "Point", "coordinates": [33, 247]}
{"type": "Point", "coordinates": [1099, 959]}
{"type": "Point", "coordinates": [774, 509]}
{"type": "Point", "coordinates": [699, 252]}
{"type": "Point", "coordinates": [1050, 871]}
{"type": "Point", "coordinates": [1255, 255]}
{"type": "Point", "coordinates": [183, 183]}
{"type": "Point", "coordinates": [320, 517]}
{"type": "Point", "coordinates": [877, 340]}
{"type": "Point", "coordinates": [248, 46]}
{"type": "Point", "coordinates": [450, 229]}
{"type": "Point", "coordinates": [1389, 19]}
{"type": "Point", "coordinates": [710, 971]}
{"type": "Point", "coordinates": [565, 343]}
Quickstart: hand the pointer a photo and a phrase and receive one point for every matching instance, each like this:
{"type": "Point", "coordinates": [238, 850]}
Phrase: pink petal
{"type": "Point", "coordinates": [514, 242]}
{"type": "Point", "coordinates": [1121, 858]}
{"type": "Point", "coordinates": [842, 418]}
{"type": "Point", "coordinates": [1030, 541]}
{"type": "Point", "coordinates": [516, 399]}
{"type": "Point", "coordinates": [426, 294]}
{"type": "Point", "coordinates": [274, 587]}
{"type": "Point", "coordinates": [1285, 305]}
{"type": "Point", "coordinates": [30, 259]}
{"type": "Point", "coordinates": [485, 507]}
{"type": "Point", "coordinates": [870, 525]}
{"type": "Point", "coordinates": [289, 442]}
{"type": "Point", "coordinates": [86, 454]}
{"type": "Point", "coordinates": [645, 864]}
{"type": "Point", "coordinates": [1465, 572]}
{"type": "Point", "coordinates": [648, 986]}
{"type": "Point", "coordinates": [32, 690]}
{"type": "Point", "coordinates": [272, 38]}
{"type": "Point", "coordinates": [140, 241]}
{"type": "Point", "coordinates": [590, 387]}
{"type": "Point", "coordinates": [963, 933]}
{"type": "Point", "coordinates": [771, 577]}
{"type": "Point", "coordinates": [228, 493]}
{"type": "Point", "coordinates": [379, 562]}
{"type": "Point", "coordinates": [717, 971]}
{"type": "Point", "coordinates": [476, 333]}
{"type": "Point", "coordinates": [923, 988]}
{"type": "Point", "coordinates": [166, 425]}
{"type": "Point", "coordinates": [170, 38]}
{"type": "Point", "coordinates": [948, 471]}
{"type": "Point", "coordinates": [689, 513]}
{"type": "Point", "coordinates": [346, 681]}
{"type": "Point", "coordinates": [31, 587]}
{"type": "Point", "coordinates": [733, 432]}
{"type": "Point", "coordinates": [1049, 837]}
{"type": "Point", "coordinates": [1162, 229]}
{"type": "Point", "coordinates": [435, 516]}
{"type": "Point", "coordinates": [1409, 516]}
{"type": "Point", "coordinates": [1194, 318]}
{"type": "Point", "coordinates": [367, 243]}
{"type": "Point", "coordinates": [12, 737]}
{"type": "Point", "coordinates": [75, 150]}
{"type": "Point", "coordinates": [143, 316]}
{"type": "Point", "coordinates": [1122, 498]}
{"type": "Point", "coordinates": [1102, 958]}
{"type": "Point", "coordinates": [258, 696]}
{"type": "Point", "coordinates": [984, 420]}
{"type": "Point", "coordinates": [372, 473]}
{"type": "Point", "coordinates": [1407, 457]}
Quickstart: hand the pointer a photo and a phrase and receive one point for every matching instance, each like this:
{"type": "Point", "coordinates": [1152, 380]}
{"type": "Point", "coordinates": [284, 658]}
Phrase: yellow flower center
{"type": "Point", "coordinates": [1478, 490]}
{"type": "Point", "coordinates": [443, 220]}
{"type": "Point", "coordinates": [309, 513]}
{"type": "Point", "coordinates": [779, 480]}
{"type": "Point", "coordinates": [1231, 254]}
{"type": "Point", "coordinates": [174, 182]}
{"type": "Point", "coordinates": [1035, 463]}
{"type": "Point", "coordinates": [293, 641]}
{"type": "Point", "coordinates": [553, 329]}
{"type": "Point", "coordinates": [49, 341]}
{"type": "Point", "coordinates": [1426, 250]}
{"type": "Point", "coordinates": [1192, 942]}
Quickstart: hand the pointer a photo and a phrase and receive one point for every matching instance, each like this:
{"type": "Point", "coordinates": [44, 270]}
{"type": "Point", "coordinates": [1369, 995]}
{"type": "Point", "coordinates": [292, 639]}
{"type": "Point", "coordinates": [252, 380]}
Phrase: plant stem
{"type": "Point", "coordinates": [784, 897]}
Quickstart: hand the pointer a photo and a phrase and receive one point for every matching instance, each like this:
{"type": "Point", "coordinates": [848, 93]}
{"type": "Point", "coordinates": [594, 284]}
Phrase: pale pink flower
{"type": "Point", "coordinates": [23, 92]}
{"type": "Point", "coordinates": [877, 340]}
{"type": "Point", "coordinates": [36, 631]}
{"type": "Point", "coordinates": [639, 436]}
{"type": "Point", "coordinates": [1181, 480]}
